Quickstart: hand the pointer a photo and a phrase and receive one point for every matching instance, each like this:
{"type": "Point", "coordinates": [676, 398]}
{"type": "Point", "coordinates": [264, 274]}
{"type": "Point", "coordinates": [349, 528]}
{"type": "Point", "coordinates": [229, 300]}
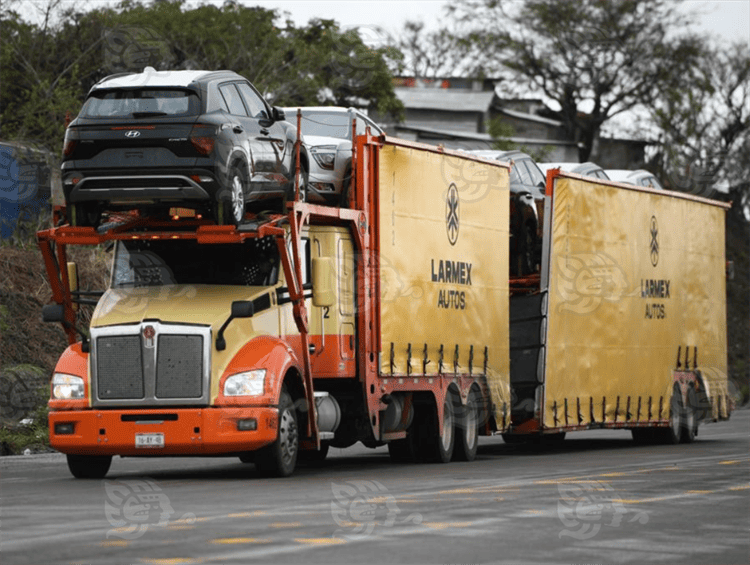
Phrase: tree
{"type": "Point", "coordinates": [47, 69]}
{"type": "Point", "coordinates": [594, 59]}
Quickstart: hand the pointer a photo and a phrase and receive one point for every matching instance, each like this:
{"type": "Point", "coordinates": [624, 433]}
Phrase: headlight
{"type": "Point", "coordinates": [325, 155]}
{"type": "Point", "coordinates": [251, 383]}
{"type": "Point", "coordinates": [66, 387]}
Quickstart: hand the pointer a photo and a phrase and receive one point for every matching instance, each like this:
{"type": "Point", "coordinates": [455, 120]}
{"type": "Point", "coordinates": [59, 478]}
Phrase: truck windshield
{"type": "Point", "coordinates": [255, 262]}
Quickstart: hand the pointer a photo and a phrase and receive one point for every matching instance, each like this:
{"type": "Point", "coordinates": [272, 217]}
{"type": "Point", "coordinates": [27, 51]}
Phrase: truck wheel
{"type": "Point", "coordinates": [437, 447]}
{"type": "Point", "coordinates": [467, 430]}
{"type": "Point", "coordinates": [89, 466]}
{"type": "Point", "coordinates": [690, 418]}
{"type": "Point", "coordinates": [280, 458]}
{"type": "Point", "coordinates": [672, 434]}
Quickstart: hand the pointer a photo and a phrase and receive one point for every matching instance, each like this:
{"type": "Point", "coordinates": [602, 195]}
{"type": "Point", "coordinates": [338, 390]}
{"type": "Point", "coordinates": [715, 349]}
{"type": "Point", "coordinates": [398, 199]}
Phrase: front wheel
{"type": "Point", "coordinates": [89, 466]}
{"type": "Point", "coordinates": [280, 458]}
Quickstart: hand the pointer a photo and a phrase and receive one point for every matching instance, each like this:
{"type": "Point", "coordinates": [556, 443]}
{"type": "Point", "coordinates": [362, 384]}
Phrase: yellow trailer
{"type": "Point", "coordinates": [627, 326]}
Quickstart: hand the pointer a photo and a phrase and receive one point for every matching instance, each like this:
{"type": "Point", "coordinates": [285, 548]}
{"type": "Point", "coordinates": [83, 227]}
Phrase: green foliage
{"type": "Point", "coordinates": [46, 70]}
{"type": "Point", "coordinates": [14, 439]}
{"type": "Point", "coordinates": [593, 58]}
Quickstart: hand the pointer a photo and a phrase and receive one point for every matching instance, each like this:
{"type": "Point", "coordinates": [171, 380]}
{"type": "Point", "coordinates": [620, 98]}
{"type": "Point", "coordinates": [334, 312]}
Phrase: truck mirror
{"type": "Point", "coordinates": [73, 281]}
{"type": "Point", "coordinates": [242, 309]}
{"type": "Point", "coordinates": [53, 313]}
{"type": "Point", "coordinates": [323, 281]}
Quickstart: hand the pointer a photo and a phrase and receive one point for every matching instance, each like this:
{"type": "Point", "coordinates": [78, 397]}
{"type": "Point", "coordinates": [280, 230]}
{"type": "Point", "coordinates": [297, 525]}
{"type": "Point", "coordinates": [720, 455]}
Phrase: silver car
{"type": "Point", "coordinates": [327, 132]}
{"type": "Point", "coordinates": [641, 177]}
{"type": "Point", "coordinates": [587, 169]}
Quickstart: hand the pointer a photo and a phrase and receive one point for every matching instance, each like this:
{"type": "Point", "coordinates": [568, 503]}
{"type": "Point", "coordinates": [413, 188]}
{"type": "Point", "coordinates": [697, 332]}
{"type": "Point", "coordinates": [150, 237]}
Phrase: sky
{"type": "Point", "coordinates": [725, 19]}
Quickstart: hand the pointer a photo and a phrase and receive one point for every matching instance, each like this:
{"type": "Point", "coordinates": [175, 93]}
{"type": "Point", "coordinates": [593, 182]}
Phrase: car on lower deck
{"type": "Point", "coordinates": [205, 140]}
{"type": "Point", "coordinates": [327, 132]}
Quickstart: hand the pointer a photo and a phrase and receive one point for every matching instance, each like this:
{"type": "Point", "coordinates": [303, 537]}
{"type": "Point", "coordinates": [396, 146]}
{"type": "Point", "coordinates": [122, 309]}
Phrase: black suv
{"type": "Point", "coordinates": [527, 185]}
{"type": "Point", "coordinates": [205, 140]}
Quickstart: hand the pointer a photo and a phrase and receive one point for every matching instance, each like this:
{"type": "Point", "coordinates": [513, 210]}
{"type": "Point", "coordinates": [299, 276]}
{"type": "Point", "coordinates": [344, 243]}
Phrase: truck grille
{"type": "Point", "coordinates": [119, 367]}
{"type": "Point", "coordinates": [150, 364]}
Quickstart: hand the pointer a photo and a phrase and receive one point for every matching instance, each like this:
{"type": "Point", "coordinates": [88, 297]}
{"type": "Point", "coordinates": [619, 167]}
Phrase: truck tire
{"type": "Point", "coordinates": [89, 466]}
{"type": "Point", "coordinates": [672, 434]}
{"type": "Point", "coordinates": [467, 430]}
{"type": "Point", "coordinates": [436, 447]}
{"type": "Point", "coordinates": [690, 418]}
{"type": "Point", "coordinates": [280, 458]}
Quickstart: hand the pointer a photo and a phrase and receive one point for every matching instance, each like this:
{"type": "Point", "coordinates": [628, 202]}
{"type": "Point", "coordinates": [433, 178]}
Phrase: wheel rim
{"type": "Point", "coordinates": [287, 437]}
{"type": "Point", "coordinates": [447, 438]}
{"type": "Point", "coordinates": [238, 199]}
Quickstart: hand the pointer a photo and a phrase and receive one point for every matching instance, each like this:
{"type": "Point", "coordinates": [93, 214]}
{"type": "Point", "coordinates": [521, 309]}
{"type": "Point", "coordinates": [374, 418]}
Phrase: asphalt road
{"type": "Point", "coordinates": [598, 499]}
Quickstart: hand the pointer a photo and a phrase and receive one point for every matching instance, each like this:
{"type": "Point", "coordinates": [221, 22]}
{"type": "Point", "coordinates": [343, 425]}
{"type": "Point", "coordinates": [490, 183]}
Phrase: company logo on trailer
{"type": "Point", "coordinates": [452, 213]}
{"type": "Point", "coordinates": [654, 241]}
{"type": "Point", "coordinates": [133, 133]}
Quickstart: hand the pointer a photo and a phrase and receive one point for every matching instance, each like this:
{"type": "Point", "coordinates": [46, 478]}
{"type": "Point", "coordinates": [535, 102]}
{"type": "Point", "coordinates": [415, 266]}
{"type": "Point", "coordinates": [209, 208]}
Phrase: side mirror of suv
{"type": "Point", "coordinates": [277, 114]}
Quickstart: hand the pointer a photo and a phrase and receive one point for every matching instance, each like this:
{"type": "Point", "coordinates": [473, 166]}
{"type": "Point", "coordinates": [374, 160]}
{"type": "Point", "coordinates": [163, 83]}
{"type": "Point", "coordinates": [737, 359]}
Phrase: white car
{"type": "Point", "coordinates": [587, 169]}
{"type": "Point", "coordinates": [327, 132]}
{"type": "Point", "coordinates": [641, 177]}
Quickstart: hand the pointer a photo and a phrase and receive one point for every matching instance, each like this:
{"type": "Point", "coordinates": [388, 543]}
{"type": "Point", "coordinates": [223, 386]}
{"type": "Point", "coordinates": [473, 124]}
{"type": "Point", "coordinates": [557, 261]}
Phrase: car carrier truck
{"type": "Point", "coordinates": [624, 325]}
{"type": "Point", "coordinates": [393, 321]}
{"type": "Point", "coordinates": [382, 322]}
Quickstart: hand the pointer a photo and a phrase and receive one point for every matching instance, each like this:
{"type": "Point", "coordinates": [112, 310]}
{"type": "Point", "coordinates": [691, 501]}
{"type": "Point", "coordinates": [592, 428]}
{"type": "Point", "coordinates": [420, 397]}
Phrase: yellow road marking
{"type": "Point", "coordinates": [241, 540]}
{"type": "Point", "coordinates": [170, 561]}
{"type": "Point", "coordinates": [700, 491]}
{"type": "Point", "coordinates": [618, 474]}
{"type": "Point", "coordinates": [180, 527]}
{"type": "Point", "coordinates": [729, 462]}
{"type": "Point", "coordinates": [114, 543]}
{"type": "Point", "coordinates": [459, 491]}
{"type": "Point", "coordinates": [246, 514]}
{"type": "Point", "coordinates": [444, 525]}
{"type": "Point", "coordinates": [743, 487]}
{"type": "Point", "coordinates": [285, 524]}
{"type": "Point", "coordinates": [321, 541]}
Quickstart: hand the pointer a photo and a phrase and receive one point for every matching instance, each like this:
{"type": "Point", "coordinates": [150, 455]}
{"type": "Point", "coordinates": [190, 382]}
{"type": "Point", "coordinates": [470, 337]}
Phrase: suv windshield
{"type": "Point", "coordinates": [146, 102]}
{"type": "Point", "coordinates": [255, 262]}
{"type": "Point", "coordinates": [326, 124]}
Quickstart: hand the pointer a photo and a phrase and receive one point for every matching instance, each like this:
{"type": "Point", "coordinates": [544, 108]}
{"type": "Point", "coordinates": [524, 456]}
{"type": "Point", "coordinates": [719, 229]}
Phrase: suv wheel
{"type": "Point", "coordinates": [231, 210]}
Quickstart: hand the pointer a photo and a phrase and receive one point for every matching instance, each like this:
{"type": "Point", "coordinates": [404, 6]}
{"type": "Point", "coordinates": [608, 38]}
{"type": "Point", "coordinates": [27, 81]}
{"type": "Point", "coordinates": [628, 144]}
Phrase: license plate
{"type": "Point", "coordinates": [149, 440]}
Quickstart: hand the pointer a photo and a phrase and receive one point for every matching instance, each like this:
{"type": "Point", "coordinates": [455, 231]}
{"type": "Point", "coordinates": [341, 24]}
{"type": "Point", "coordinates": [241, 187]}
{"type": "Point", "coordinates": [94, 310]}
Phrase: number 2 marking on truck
{"type": "Point", "coordinates": [326, 312]}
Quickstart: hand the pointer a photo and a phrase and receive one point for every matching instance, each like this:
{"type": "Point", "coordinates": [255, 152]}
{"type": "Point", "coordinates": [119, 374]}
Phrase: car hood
{"type": "Point", "coordinates": [317, 140]}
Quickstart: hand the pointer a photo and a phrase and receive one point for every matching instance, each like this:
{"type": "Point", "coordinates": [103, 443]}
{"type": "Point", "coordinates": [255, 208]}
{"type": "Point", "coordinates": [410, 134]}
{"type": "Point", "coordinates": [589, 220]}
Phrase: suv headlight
{"type": "Point", "coordinates": [250, 383]}
{"type": "Point", "coordinates": [325, 155]}
{"type": "Point", "coordinates": [66, 387]}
